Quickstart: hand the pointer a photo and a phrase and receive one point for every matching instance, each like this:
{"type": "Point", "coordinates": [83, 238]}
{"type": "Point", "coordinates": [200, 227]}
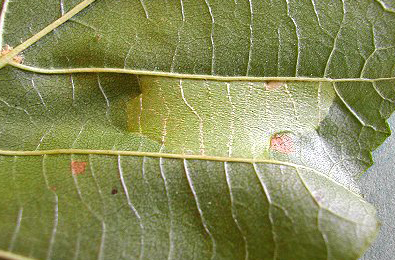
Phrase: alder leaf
{"type": "Point", "coordinates": [181, 130]}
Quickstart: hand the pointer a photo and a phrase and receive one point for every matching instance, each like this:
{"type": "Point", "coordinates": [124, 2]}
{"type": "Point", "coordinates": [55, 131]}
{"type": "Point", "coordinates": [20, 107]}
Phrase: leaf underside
{"type": "Point", "coordinates": [226, 130]}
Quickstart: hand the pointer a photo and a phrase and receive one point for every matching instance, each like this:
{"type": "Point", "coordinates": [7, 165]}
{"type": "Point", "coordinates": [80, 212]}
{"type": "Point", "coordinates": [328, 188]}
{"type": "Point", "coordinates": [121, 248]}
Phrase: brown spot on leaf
{"type": "Point", "coordinates": [282, 143]}
{"type": "Point", "coordinates": [6, 49]}
{"type": "Point", "coordinates": [18, 59]}
{"type": "Point", "coordinates": [273, 85]}
{"type": "Point", "coordinates": [53, 188]}
{"type": "Point", "coordinates": [98, 37]}
{"type": "Point", "coordinates": [78, 167]}
{"type": "Point", "coordinates": [114, 191]}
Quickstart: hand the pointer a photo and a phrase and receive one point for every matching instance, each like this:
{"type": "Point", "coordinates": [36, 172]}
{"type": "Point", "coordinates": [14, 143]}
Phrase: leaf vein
{"type": "Point", "coordinates": [191, 186]}
{"type": "Point", "coordinates": [232, 208]}
{"type": "Point", "coordinates": [271, 219]}
{"type": "Point", "coordinates": [132, 208]}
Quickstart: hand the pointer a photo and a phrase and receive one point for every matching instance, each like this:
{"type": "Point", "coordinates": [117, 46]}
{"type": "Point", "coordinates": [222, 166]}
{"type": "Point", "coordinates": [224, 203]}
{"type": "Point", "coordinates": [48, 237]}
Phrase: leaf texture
{"type": "Point", "coordinates": [337, 39]}
{"type": "Point", "coordinates": [191, 130]}
{"type": "Point", "coordinates": [102, 211]}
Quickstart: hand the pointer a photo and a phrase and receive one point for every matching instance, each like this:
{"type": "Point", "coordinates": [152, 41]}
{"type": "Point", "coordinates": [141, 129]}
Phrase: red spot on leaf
{"type": "Point", "coordinates": [114, 191]}
{"type": "Point", "coordinates": [78, 167]}
{"type": "Point", "coordinates": [282, 143]}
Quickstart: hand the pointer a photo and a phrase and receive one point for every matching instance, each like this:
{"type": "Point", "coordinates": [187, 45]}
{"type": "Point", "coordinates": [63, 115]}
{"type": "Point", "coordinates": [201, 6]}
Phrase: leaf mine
{"type": "Point", "coordinates": [273, 85]}
{"type": "Point", "coordinates": [78, 167]}
{"type": "Point", "coordinates": [282, 143]}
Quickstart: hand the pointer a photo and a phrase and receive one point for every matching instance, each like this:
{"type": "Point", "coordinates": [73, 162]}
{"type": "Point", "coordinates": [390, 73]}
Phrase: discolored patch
{"type": "Point", "coordinates": [98, 37]}
{"type": "Point", "coordinates": [6, 49]}
{"type": "Point", "coordinates": [282, 143]}
{"type": "Point", "coordinates": [114, 191]}
{"type": "Point", "coordinates": [78, 167]}
{"type": "Point", "coordinates": [318, 196]}
{"type": "Point", "coordinates": [53, 188]}
{"type": "Point", "coordinates": [273, 85]}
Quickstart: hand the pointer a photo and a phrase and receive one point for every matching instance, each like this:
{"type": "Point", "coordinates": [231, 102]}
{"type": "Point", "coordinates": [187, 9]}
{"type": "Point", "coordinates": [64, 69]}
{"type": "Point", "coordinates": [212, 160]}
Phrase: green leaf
{"type": "Point", "coordinates": [180, 130]}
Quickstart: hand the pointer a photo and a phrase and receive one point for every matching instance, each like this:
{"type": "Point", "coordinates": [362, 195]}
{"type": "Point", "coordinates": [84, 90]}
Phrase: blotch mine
{"type": "Point", "coordinates": [78, 167]}
{"type": "Point", "coordinates": [273, 85]}
{"type": "Point", "coordinates": [282, 142]}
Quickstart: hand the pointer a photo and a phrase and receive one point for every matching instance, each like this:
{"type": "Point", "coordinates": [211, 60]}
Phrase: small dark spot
{"type": "Point", "coordinates": [53, 188]}
{"type": "Point", "coordinates": [114, 191]}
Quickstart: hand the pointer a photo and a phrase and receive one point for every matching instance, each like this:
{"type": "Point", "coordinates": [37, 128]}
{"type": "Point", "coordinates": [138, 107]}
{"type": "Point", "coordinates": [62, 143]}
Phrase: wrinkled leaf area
{"type": "Point", "coordinates": [294, 203]}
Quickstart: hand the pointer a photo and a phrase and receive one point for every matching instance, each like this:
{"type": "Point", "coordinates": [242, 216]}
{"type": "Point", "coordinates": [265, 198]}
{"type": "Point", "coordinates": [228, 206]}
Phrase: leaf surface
{"type": "Point", "coordinates": [241, 136]}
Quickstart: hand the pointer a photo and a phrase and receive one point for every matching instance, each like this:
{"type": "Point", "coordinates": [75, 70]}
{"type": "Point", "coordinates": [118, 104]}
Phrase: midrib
{"type": "Point", "coordinates": [191, 76]}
